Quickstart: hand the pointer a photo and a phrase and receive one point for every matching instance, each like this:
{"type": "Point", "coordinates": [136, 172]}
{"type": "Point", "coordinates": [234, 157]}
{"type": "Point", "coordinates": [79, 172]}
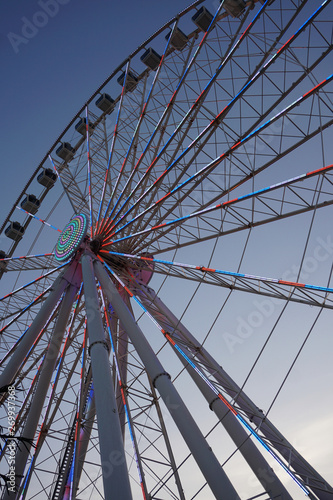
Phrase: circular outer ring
{"type": "Point", "coordinates": [71, 237]}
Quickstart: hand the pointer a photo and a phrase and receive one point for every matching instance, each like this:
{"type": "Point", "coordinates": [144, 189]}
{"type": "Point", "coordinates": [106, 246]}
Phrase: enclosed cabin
{"type": "Point", "coordinates": [202, 18]}
{"type": "Point", "coordinates": [47, 178]}
{"type": "Point", "coordinates": [3, 264]}
{"type": "Point", "coordinates": [30, 203]}
{"type": "Point", "coordinates": [151, 59]}
{"type": "Point", "coordinates": [65, 151]}
{"type": "Point", "coordinates": [234, 7]}
{"type": "Point", "coordinates": [131, 81]}
{"type": "Point", "coordinates": [14, 231]}
{"type": "Point", "coordinates": [105, 103]}
{"type": "Point", "coordinates": [178, 39]}
{"type": "Point", "coordinates": [81, 126]}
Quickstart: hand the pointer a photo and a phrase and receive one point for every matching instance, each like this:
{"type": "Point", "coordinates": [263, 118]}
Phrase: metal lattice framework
{"type": "Point", "coordinates": [211, 160]}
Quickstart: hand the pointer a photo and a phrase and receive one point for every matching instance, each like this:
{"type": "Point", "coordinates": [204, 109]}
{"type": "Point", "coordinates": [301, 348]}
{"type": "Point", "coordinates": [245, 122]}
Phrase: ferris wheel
{"type": "Point", "coordinates": [166, 289]}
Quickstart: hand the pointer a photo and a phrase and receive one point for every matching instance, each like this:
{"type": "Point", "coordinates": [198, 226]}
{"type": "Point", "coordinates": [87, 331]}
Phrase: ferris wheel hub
{"type": "Point", "coordinates": [96, 244]}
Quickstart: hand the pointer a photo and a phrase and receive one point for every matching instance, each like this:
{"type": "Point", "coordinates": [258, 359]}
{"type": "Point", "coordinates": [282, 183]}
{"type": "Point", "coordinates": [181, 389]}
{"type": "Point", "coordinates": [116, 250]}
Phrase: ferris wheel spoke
{"type": "Point", "coordinates": [112, 147]}
{"type": "Point", "coordinates": [163, 120]}
{"type": "Point", "coordinates": [133, 145]}
{"type": "Point", "coordinates": [28, 262]}
{"type": "Point", "coordinates": [211, 187]}
{"type": "Point", "coordinates": [237, 161]}
{"type": "Point", "coordinates": [37, 218]}
{"type": "Point", "coordinates": [22, 311]}
{"type": "Point", "coordinates": [204, 93]}
{"type": "Point", "coordinates": [319, 296]}
{"type": "Point", "coordinates": [292, 197]}
{"type": "Point", "coordinates": [289, 199]}
{"type": "Point", "coordinates": [83, 174]}
{"type": "Point", "coordinates": [89, 174]}
{"type": "Point", "coordinates": [214, 185]}
{"type": "Point", "coordinates": [133, 111]}
{"type": "Point", "coordinates": [195, 108]}
{"type": "Point", "coordinates": [141, 119]}
{"type": "Point", "coordinates": [69, 186]}
{"type": "Point", "coordinates": [210, 226]}
{"type": "Point", "coordinates": [21, 300]}
{"type": "Point", "coordinates": [159, 131]}
{"type": "Point", "coordinates": [239, 171]}
{"type": "Point", "coordinates": [237, 148]}
{"type": "Point", "coordinates": [210, 129]}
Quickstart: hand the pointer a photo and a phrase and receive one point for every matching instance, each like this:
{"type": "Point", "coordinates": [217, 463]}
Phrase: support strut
{"type": "Point", "coordinates": [114, 468]}
{"type": "Point", "coordinates": [310, 477]}
{"type": "Point", "coordinates": [247, 448]}
{"type": "Point", "coordinates": [11, 369]}
{"type": "Point", "coordinates": [43, 385]}
{"type": "Point", "coordinates": [215, 476]}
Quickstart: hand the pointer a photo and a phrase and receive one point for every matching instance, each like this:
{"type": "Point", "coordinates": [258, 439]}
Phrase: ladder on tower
{"type": "Point", "coordinates": [65, 463]}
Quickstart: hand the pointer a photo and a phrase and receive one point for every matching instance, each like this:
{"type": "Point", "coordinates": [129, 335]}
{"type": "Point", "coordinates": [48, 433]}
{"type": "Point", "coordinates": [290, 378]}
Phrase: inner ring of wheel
{"type": "Point", "coordinates": [71, 237]}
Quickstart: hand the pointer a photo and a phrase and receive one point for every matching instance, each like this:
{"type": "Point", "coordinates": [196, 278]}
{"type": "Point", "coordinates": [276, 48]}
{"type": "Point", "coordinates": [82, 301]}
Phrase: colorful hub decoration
{"type": "Point", "coordinates": [71, 237]}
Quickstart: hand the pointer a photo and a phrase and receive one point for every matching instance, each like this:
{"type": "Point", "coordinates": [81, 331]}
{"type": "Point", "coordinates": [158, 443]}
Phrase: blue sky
{"type": "Point", "coordinates": [47, 74]}
{"type": "Point", "coordinates": [46, 78]}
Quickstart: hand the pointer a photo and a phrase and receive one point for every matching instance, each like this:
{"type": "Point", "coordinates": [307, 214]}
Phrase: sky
{"type": "Point", "coordinates": [47, 74]}
{"type": "Point", "coordinates": [46, 78]}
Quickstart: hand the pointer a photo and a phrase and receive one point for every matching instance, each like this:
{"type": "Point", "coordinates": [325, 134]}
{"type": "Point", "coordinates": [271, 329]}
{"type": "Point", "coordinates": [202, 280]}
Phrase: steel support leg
{"type": "Point", "coordinates": [43, 385]}
{"type": "Point", "coordinates": [122, 347]}
{"type": "Point", "coordinates": [247, 448]}
{"type": "Point", "coordinates": [114, 468]}
{"type": "Point", "coordinates": [202, 453]}
{"type": "Point", "coordinates": [10, 371]}
{"type": "Point", "coordinates": [311, 479]}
